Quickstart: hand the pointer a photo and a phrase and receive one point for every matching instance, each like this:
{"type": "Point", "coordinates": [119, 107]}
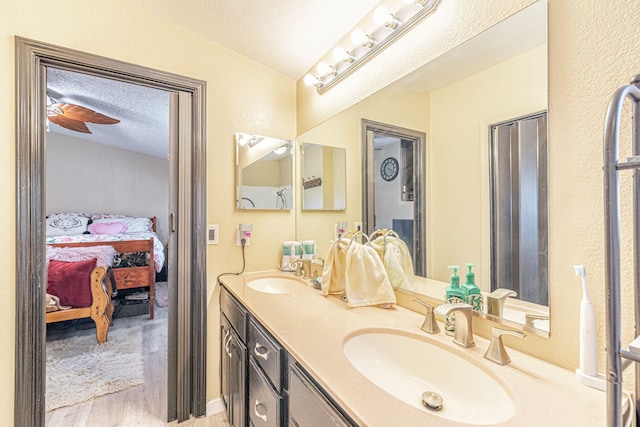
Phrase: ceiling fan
{"type": "Point", "coordinates": [76, 117]}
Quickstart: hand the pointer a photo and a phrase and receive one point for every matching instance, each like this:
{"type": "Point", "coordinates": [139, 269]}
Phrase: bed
{"type": "Point", "coordinates": [100, 310]}
{"type": "Point", "coordinates": [139, 251]}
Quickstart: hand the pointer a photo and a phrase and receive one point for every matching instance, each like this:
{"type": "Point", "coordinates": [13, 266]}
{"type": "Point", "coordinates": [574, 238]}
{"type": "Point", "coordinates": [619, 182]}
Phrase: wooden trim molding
{"type": "Point", "coordinates": [32, 58]}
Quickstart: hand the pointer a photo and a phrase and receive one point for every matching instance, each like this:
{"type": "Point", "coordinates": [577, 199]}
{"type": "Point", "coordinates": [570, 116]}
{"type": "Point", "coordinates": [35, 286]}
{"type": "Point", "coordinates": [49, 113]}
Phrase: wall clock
{"type": "Point", "coordinates": [389, 169]}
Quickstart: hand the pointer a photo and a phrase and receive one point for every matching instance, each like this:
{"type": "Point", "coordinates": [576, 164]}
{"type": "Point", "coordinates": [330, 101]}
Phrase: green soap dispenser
{"type": "Point", "coordinates": [474, 295]}
{"type": "Point", "coordinates": [454, 294]}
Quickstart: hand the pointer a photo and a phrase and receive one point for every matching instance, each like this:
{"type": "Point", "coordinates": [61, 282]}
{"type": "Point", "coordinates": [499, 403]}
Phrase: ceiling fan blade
{"type": "Point", "coordinates": [84, 114]}
{"type": "Point", "coordinates": [69, 123]}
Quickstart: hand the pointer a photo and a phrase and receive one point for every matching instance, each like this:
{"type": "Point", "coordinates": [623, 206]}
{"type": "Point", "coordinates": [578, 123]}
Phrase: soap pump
{"type": "Point", "coordinates": [454, 294]}
{"type": "Point", "coordinates": [474, 295]}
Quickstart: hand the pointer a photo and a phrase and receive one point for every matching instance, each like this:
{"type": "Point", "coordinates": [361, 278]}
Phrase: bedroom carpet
{"type": "Point", "coordinates": [162, 294]}
{"type": "Point", "coordinates": [76, 376]}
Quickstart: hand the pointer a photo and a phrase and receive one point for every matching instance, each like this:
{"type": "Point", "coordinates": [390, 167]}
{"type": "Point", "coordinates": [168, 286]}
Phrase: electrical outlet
{"type": "Point", "coordinates": [357, 226]}
{"type": "Point", "coordinates": [340, 228]}
{"type": "Point", "coordinates": [212, 234]}
{"type": "Point", "coordinates": [244, 232]}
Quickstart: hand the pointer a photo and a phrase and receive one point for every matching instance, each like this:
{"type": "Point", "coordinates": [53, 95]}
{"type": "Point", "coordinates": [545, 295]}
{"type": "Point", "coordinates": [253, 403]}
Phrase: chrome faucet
{"type": "Point", "coordinates": [496, 351]}
{"type": "Point", "coordinates": [496, 300]}
{"type": "Point", "coordinates": [316, 268]}
{"type": "Point", "coordinates": [303, 268]}
{"type": "Point", "coordinates": [463, 317]}
{"type": "Point", "coordinates": [429, 325]}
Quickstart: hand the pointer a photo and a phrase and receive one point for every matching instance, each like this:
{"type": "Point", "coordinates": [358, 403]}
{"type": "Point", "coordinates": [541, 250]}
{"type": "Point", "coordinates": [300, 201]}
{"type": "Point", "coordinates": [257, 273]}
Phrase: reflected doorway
{"type": "Point", "coordinates": [394, 187]}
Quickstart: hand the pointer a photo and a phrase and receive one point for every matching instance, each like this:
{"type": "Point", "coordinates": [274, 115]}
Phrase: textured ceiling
{"type": "Point", "coordinates": [143, 112]}
{"type": "Point", "coordinates": [288, 36]}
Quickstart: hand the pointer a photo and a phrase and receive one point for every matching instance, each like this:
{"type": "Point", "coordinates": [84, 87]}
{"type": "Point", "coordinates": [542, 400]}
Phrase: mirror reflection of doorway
{"type": "Point", "coordinates": [394, 187]}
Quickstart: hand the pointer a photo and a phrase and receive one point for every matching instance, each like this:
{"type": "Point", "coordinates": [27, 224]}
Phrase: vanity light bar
{"type": "Point", "coordinates": [367, 46]}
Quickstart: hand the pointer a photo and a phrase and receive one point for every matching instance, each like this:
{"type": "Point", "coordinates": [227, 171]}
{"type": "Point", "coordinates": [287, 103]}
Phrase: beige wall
{"type": "Point", "coordinates": [119, 30]}
{"type": "Point", "coordinates": [122, 182]}
{"type": "Point", "coordinates": [459, 170]}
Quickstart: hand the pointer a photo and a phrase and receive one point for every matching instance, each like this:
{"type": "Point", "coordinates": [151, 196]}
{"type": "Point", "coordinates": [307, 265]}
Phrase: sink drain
{"type": "Point", "coordinates": [432, 400]}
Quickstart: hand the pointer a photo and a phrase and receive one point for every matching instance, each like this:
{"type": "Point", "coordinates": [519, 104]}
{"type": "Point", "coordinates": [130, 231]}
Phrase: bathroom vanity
{"type": "Point", "coordinates": [288, 359]}
{"type": "Point", "coordinates": [261, 382]}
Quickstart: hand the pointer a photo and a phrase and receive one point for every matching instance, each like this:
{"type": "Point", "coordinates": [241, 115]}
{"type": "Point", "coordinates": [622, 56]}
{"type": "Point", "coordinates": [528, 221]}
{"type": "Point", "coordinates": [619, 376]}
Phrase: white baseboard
{"type": "Point", "coordinates": [215, 406]}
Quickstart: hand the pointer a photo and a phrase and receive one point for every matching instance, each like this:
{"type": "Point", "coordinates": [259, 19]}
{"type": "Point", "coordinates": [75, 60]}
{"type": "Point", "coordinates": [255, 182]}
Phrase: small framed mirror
{"type": "Point", "coordinates": [264, 172]}
{"type": "Point", "coordinates": [323, 177]}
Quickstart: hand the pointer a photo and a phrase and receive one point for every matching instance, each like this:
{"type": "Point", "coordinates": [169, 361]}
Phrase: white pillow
{"type": "Point", "coordinates": [66, 224]}
{"type": "Point", "coordinates": [128, 224]}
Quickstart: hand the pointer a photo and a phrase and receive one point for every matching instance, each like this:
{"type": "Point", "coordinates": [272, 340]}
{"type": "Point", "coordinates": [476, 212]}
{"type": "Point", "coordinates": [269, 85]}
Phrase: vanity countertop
{"type": "Point", "coordinates": [313, 329]}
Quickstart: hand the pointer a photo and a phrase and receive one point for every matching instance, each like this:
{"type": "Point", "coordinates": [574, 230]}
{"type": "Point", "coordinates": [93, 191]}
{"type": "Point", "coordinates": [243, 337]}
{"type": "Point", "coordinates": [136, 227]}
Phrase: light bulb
{"type": "Point", "coordinates": [382, 16]}
{"type": "Point", "coordinates": [359, 38]}
{"type": "Point", "coordinates": [280, 150]}
{"type": "Point", "coordinates": [324, 69]}
{"type": "Point", "coordinates": [311, 80]}
{"type": "Point", "coordinates": [339, 54]}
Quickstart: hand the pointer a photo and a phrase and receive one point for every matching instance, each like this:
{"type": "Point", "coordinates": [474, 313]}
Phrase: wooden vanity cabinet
{"type": "Point", "coordinates": [233, 359]}
{"type": "Point", "coordinates": [267, 384]}
{"type": "Point", "coordinates": [308, 404]}
{"type": "Point", "coordinates": [262, 386]}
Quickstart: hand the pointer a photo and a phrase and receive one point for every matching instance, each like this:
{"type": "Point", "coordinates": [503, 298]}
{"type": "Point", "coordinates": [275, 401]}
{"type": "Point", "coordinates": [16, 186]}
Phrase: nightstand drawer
{"type": "Point", "coordinates": [267, 353]}
{"type": "Point", "coordinates": [265, 405]}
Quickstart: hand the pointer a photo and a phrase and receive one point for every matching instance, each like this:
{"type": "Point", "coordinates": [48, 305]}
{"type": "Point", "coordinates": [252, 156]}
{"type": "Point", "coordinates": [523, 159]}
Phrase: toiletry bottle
{"type": "Point", "coordinates": [454, 294]}
{"type": "Point", "coordinates": [474, 296]}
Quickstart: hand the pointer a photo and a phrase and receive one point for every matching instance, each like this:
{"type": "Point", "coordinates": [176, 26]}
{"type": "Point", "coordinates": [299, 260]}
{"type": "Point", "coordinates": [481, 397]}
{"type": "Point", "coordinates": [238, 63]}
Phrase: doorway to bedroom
{"type": "Point", "coordinates": [176, 215]}
{"type": "Point", "coordinates": [107, 197]}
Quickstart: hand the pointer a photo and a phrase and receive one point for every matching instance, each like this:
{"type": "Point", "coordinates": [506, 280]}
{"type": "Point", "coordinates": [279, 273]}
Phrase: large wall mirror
{"type": "Point", "coordinates": [264, 172]}
{"type": "Point", "coordinates": [323, 177]}
{"type": "Point", "coordinates": [497, 76]}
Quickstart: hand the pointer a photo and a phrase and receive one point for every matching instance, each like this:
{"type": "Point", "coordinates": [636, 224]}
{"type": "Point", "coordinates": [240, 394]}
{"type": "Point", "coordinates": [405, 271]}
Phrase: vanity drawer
{"type": "Point", "coordinates": [234, 312]}
{"type": "Point", "coordinates": [266, 352]}
{"type": "Point", "coordinates": [265, 405]}
{"type": "Point", "coordinates": [308, 406]}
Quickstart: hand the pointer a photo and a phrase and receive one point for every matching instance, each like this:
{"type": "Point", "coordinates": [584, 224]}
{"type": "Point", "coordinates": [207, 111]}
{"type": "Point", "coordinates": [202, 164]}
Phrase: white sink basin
{"type": "Point", "coordinates": [274, 285]}
{"type": "Point", "coordinates": [406, 366]}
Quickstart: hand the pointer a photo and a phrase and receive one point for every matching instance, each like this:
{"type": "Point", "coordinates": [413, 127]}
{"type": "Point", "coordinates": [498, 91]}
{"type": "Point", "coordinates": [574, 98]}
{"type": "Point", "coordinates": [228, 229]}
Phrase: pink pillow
{"type": "Point", "coordinates": [71, 282]}
{"type": "Point", "coordinates": [107, 227]}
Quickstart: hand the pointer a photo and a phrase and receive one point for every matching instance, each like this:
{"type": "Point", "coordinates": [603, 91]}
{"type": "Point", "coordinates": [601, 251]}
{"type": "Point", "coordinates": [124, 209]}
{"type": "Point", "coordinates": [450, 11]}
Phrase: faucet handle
{"type": "Point", "coordinates": [429, 325]}
{"type": "Point", "coordinates": [298, 266]}
{"type": "Point", "coordinates": [530, 318]}
{"type": "Point", "coordinates": [496, 300]}
{"type": "Point", "coordinates": [496, 351]}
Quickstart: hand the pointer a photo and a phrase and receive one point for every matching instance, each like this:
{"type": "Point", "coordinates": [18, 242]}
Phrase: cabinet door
{"type": "Point", "coordinates": [233, 376]}
{"type": "Point", "coordinates": [308, 407]}
{"type": "Point", "coordinates": [265, 404]}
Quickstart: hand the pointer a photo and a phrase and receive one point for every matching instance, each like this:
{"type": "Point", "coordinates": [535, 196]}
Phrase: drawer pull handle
{"type": "Point", "coordinates": [261, 351]}
{"type": "Point", "coordinates": [258, 414]}
{"type": "Point", "coordinates": [227, 341]}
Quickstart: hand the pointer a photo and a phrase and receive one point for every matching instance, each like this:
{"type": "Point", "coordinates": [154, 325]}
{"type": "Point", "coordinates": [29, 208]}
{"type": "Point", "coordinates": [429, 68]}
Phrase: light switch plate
{"type": "Point", "coordinates": [212, 234]}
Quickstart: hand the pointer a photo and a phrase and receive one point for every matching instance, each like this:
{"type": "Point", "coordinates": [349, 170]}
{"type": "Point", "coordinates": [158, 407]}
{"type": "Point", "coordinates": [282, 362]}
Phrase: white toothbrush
{"type": "Point", "coordinates": [587, 373]}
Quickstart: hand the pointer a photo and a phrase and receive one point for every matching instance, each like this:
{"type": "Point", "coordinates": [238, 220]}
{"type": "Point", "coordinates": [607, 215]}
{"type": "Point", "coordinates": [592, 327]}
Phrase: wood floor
{"type": "Point", "coordinates": [143, 405]}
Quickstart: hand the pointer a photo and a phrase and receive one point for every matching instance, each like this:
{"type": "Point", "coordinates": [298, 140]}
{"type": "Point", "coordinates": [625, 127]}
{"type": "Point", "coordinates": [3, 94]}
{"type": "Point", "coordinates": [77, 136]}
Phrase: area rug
{"type": "Point", "coordinates": [162, 294]}
{"type": "Point", "coordinates": [79, 369]}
